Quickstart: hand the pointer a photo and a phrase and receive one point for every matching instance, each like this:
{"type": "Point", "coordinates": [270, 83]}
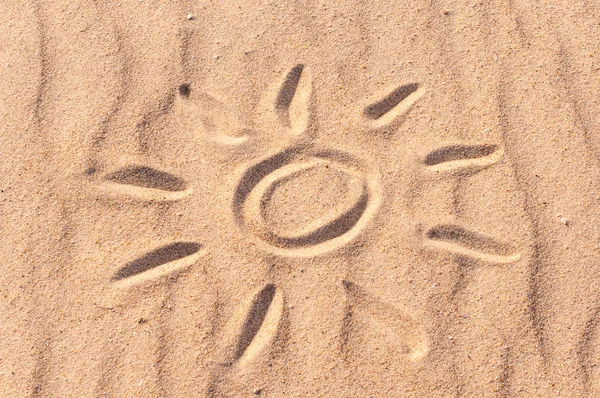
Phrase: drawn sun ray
{"type": "Point", "coordinates": [462, 159]}
{"type": "Point", "coordinates": [390, 105]}
{"type": "Point", "coordinates": [254, 327]}
{"type": "Point", "coordinates": [166, 260]}
{"type": "Point", "coordinates": [144, 183]}
{"type": "Point", "coordinates": [470, 244]}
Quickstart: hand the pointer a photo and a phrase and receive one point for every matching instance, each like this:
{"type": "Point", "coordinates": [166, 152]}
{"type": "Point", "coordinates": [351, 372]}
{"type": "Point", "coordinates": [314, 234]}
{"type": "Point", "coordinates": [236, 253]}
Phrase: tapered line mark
{"type": "Point", "coordinates": [286, 94]}
{"type": "Point", "coordinates": [458, 152]}
{"type": "Point", "coordinates": [407, 331]}
{"type": "Point", "coordinates": [463, 159]}
{"type": "Point", "coordinates": [288, 88]}
{"type": "Point", "coordinates": [255, 326]}
{"type": "Point", "coordinates": [254, 319]}
{"type": "Point", "coordinates": [392, 105]}
{"type": "Point", "coordinates": [160, 262]}
{"type": "Point", "coordinates": [380, 108]}
{"type": "Point", "coordinates": [147, 177]}
{"type": "Point", "coordinates": [292, 107]}
{"type": "Point", "coordinates": [470, 244]}
{"type": "Point", "coordinates": [145, 183]}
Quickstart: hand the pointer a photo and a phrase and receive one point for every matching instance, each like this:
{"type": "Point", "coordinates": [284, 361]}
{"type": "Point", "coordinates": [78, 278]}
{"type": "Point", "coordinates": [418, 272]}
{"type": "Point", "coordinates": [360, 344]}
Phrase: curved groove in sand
{"type": "Point", "coordinates": [318, 231]}
{"type": "Point", "coordinates": [163, 261]}
{"type": "Point", "coordinates": [324, 234]}
{"type": "Point", "coordinates": [144, 183]}
{"type": "Point", "coordinates": [462, 158]}
{"type": "Point", "coordinates": [470, 244]}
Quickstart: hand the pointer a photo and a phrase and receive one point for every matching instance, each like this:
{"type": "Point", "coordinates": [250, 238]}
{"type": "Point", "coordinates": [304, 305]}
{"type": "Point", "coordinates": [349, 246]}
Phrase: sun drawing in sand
{"type": "Point", "coordinates": [305, 200]}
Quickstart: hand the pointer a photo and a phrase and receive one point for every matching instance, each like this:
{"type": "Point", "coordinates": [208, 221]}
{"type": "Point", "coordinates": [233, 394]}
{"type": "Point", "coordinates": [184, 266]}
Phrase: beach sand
{"type": "Point", "coordinates": [299, 198]}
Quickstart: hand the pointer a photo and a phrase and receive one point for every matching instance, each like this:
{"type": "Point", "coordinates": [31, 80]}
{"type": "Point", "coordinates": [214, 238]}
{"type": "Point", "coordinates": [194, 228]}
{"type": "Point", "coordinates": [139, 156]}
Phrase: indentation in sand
{"type": "Point", "coordinates": [166, 260]}
{"type": "Point", "coordinates": [144, 183]}
{"type": "Point", "coordinates": [306, 203]}
{"type": "Point", "coordinates": [389, 105]}
{"type": "Point", "coordinates": [293, 99]}
{"type": "Point", "coordinates": [470, 244]}
{"type": "Point", "coordinates": [463, 159]}
{"type": "Point", "coordinates": [317, 203]}
{"type": "Point", "coordinates": [407, 332]}
{"type": "Point", "coordinates": [254, 326]}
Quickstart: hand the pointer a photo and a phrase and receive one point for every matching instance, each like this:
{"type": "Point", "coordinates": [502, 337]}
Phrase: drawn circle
{"type": "Point", "coordinates": [305, 203]}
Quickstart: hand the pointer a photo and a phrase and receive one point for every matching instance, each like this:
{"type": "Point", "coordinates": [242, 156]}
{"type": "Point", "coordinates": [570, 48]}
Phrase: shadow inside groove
{"type": "Point", "coordinates": [255, 319]}
{"type": "Point", "coordinates": [380, 108]}
{"type": "Point", "coordinates": [469, 239]}
{"type": "Point", "coordinates": [158, 257]}
{"type": "Point", "coordinates": [147, 177]}
{"type": "Point", "coordinates": [288, 90]}
{"type": "Point", "coordinates": [458, 152]}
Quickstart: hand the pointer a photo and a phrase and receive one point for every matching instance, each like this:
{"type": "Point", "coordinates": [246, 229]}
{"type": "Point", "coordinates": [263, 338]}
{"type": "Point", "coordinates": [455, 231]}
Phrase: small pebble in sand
{"type": "Point", "coordinates": [564, 221]}
{"type": "Point", "coordinates": [190, 17]}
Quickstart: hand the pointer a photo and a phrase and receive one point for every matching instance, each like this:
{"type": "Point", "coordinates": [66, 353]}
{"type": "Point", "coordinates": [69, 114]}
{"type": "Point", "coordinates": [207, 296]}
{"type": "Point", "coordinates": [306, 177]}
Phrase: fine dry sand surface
{"type": "Point", "coordinates": [299, 198]}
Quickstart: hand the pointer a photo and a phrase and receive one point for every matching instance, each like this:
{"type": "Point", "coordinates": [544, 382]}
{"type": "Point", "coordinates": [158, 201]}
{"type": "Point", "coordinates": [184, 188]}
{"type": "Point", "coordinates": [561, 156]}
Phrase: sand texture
{"type": "Point", "coordinates": [299, 198]}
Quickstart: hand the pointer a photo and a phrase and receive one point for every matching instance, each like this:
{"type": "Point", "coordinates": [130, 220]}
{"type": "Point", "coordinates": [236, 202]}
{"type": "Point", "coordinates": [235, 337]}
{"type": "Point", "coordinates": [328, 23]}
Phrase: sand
{"type": "Point", "coordinates": [299, 198]}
